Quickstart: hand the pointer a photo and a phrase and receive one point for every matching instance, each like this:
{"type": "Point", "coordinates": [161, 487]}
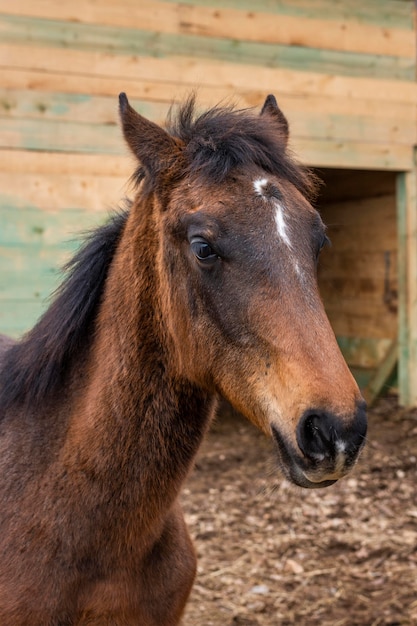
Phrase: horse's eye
{"type": "Point", "coordinates": [203, 250]}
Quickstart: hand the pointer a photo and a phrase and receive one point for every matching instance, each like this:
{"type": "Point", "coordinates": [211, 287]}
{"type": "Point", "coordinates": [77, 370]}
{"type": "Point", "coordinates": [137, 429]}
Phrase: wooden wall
{"type": "Point", "coordinates": [358, 273]}
{"type": "Point", "coordinates": [343, 72]}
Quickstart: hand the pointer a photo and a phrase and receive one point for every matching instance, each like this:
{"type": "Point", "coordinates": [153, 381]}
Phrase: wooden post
{"type": "Point", "coordinates": [407, 283]}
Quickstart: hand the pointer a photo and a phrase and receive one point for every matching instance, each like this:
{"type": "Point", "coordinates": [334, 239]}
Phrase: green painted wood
{"type": "Point", "coordinates": [382, 374]}
{"type": "Point", "coordinates": [18, 316]}
{"type": "Point", "coordinates": [34, 245]}
{"type": "Point", "coordinates": [37, 104]}
{"type": "Point", "coordinates": [54, 135]}
{"type": "Point", "coordinates": [403, 322]}
{"type": "Point", "coordinates": [29, 226]}
{"type": "Point", "coordinates": [407, 272]}
{"type": "Point", "coordinates": [78, 36]}
{"type": "Point", "coordinates": [79, 108]}
{"type": "Point", "coordinates": [363, 352]}
{"type": "Point", "coordinates": [392, 13]}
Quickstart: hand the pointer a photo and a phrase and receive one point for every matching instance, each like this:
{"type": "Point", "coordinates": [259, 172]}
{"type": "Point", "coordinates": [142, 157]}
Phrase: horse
{"type": "Point", "coordinates": [204, 286]}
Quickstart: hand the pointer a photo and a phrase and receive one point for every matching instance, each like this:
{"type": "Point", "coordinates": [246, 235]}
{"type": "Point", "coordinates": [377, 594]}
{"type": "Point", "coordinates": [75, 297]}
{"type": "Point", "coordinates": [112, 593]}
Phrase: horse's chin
{"type": "Point", "coordinates": [292, 470]}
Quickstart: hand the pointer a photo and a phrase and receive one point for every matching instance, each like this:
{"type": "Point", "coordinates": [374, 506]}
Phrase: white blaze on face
{"type": "Point", "coordinates": [259, 186]}
{"type": "Point", "coordinates": [282, 224]}
{"type": "Point", "coordinates": [281, 220]}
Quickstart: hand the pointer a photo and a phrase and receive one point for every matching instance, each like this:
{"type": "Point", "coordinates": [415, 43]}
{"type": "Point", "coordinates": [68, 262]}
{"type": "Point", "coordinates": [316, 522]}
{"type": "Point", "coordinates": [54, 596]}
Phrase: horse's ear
{"type": "Point", "coordinates": [156, 150]}
{"type": "Point", "coordinates": [272, 109]}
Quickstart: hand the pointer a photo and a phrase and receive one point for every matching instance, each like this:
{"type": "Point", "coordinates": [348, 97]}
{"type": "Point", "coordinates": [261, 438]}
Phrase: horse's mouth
{"type": "Point", "coordinates": [292, 467]}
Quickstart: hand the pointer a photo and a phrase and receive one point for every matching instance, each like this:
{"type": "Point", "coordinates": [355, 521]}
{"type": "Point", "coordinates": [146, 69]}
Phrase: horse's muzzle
{"type": "Point", "coordinates": [328, 447]}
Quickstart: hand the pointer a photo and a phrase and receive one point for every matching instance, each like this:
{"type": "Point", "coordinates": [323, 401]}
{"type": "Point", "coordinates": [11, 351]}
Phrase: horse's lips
{"type": "Point", "coordinates": [292, 469]}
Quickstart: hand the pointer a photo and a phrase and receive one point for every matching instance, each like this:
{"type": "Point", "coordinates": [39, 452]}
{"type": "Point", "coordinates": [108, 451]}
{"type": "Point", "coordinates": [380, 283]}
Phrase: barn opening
{"type": "Point", "coordinates": [358, 273]}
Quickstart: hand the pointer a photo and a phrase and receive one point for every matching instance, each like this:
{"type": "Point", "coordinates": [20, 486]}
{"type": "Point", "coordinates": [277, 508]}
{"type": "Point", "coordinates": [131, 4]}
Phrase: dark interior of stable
{"type": "Point", "coordinates": [358, 272]}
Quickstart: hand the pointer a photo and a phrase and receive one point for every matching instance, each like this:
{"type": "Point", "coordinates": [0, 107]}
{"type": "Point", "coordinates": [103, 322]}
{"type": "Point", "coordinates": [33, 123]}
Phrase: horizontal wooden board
{"type": "Point", "coordinates": [363, 224]}
{"type": "Point", "coordinates": [101, 114]}
{"type": "Point", "coordinates": [380, 12]}
{"type": "Point", "coordinates": [61, 136]}
{"type": "Point", "coordinates": [46, 96]}
{"type": "Point", "coordinates": [363, 268]}
{"type": "Point", "coordinates": [54, 192]}
{"type": "Point", "coordinates": [342, 186]}
{"type": "Point", "coordinates": [363, 351]}
{"type": "Point", "coordinates": [67, 164]}
{"type": "Point", "coordinates": [360, 318]}
{"type": "Point", "coordinates": [331, 34]}
{"type": "Point", "coordinates": [42, 229]}
{"type": "Point", "coordinates": [72, 107]}
{"type": "Point", "coordinates": [190, 72]}
{"type": "Point", "coordinates": [18, 316]}
{"type": "Point", "coordinates": [116, 40]}
{"type": "Point", "coordinates": [354, 155]}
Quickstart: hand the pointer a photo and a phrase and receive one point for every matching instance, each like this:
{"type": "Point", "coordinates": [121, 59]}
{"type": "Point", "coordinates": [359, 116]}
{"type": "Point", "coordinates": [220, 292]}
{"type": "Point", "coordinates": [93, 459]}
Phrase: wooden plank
{"type": "Point", "coordinates": [73, 107]}
{"type": "Point", "coordinates": [358, 262]}
{"type": "Point", "coordinates": [190, 72]}
{"type": "Point", "coordinates": [60, 136]}
{"type": "Point", "coordinates": [143, 91]}
{"type": "Point", "coordinates": [354, 155]}
{"type": "Point", "coordinates": [117, 40]}
{"type": "Point", "coordinates": [364, 352]}
{"type": "Point", "coordinates": [68, 164]}
{"type": "Point", "coordinates": [342, 186]}
{"type": "Point", "coordinates": [100, 113]}
{"type": "Point", "coordinates": [53, 192]}
{"type": "Point", "coordinates": [350, 223]}
{"type": "Point", "coordinates": [44, 229]}
{"type": "Point", "coordinates": [380, 12]}
{"type": "Point", "coordinates": [225, 22]}
{"type": "Point", "coordinates": [18, 316]}
{"type": "Point", "coordinates": [351, 317]}
{"type": "Point", "coordinates": [407, 262]}
{"type": "Point", "coordinates": [381, 375]}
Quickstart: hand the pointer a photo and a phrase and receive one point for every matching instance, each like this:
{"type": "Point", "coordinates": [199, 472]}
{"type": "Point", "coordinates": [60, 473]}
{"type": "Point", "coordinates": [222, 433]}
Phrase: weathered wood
{"type": "Point", "coordinates": [381, 375]}
{"type": "Point", "coordinates": [53, 192]}
{"type": "Point", "coordinates": [407, 265]}
{"type": "Point", "coordinates": [341, 186]}
{"type": "Point", "coordinates": [101, 115]}
{"type": "Point", "coordinates": [352, 272]}
{"type": "Point", "coordinates": [360, 318]}
{"type": "Point", "coordinates": [76, 107]}
{"type": "Point", "coordinates": [188, 71]}
{"type": "Point", "coordinates": [67, 164]}
{"type": "Point", "coordinates": [346, 35]}
{"type": "Point", "coordinates": [141, 91]}
{"type": "Point", "coordinates": [364, 352]}
{"type": "Point", "coordinates": [116, 40]}
{"type": "Point", "coordinates": [17, 316]}
{"type": "Point", "coordinates": [381, 12]}
{"type": "Point", "coordinates": [42, 229]}
{"type": "Point", "coordinates": [353, 155]}
{"type": "Point", "coordinates": [61, 136]}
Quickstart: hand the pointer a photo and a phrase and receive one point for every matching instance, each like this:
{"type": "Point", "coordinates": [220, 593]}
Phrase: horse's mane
{"type": "Point", "coordinates": [222, 138]}
{"type": "Point", "coordinates": [37, 365]}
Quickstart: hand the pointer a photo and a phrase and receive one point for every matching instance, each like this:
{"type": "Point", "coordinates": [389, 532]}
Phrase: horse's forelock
{"type": "Point", "coordinates": [223, 137]}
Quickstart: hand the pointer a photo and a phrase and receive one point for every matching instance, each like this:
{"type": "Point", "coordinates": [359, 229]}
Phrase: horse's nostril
{"type": "Point", "coordinates": [316, 436]}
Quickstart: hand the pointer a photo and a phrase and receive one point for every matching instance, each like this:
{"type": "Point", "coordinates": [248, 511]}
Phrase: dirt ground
{"type": "Point", "coordinates": [271, 554]}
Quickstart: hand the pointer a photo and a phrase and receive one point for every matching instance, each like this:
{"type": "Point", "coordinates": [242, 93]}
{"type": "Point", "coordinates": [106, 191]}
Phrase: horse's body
{"type": "Point", "coordinates": [205, 286]}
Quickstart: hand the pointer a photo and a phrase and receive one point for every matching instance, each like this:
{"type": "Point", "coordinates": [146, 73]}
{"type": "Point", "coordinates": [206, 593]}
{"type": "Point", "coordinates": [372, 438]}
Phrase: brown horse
{"type": "Point", "coordinates": [204, 287]}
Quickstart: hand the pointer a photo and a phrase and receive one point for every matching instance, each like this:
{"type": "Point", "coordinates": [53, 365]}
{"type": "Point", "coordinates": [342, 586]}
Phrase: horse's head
{"type": "Point", "coordinates": [238, 249]}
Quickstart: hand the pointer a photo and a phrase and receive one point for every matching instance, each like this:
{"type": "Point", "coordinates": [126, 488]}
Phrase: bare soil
{"type": "Point", "coordinates": [271, 554]}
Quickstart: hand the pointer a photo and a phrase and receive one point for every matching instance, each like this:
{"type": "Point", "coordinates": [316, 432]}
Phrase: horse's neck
{"type": "Point", "coordinates": [138, 426]}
